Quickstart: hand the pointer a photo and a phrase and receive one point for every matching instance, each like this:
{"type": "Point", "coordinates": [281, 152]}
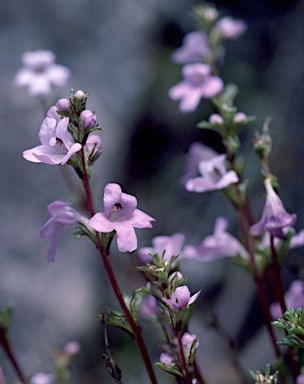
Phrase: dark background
{"type": "Point", "coordinates": [119, 52]}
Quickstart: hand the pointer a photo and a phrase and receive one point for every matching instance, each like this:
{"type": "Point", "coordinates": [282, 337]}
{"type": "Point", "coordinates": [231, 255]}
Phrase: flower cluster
{"type": "Point", "coordinates": [200, 52]}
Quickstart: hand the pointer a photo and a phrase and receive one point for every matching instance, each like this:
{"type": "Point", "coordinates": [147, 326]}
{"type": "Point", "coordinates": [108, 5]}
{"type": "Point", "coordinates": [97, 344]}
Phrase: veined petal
{"type": "Point", "coordinates": [126, 237]}
{"type": "Point", "coordinates": [101, 224]}
{"type": "Point", "coordinates": [47, 131]}
{"type": "Point", "coordinates": [140, 219]}
{"type": "Point", "coordinates": [74, 148]}
{"type": "Point", "coordinates": [112, 194]}
{"type": "Point", "coordinates": [51, 251]}
{"type": "Point", "coordinates": [63, 134]}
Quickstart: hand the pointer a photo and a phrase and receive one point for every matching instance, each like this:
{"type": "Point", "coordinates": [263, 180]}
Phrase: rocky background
{"type": "Point", "coordinates": [119, 52]}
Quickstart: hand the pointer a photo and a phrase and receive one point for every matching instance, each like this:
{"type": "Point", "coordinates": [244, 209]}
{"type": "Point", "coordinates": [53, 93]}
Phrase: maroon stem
{"type": "Point", "coordinates": [108, 267]}
{"type": "Point", "coordinates": [8, 350]}
{"type": "Point", "coordinates": [258, 281]}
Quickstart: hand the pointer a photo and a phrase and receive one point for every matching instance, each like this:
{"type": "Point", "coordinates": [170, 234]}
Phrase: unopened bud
{"type": "Point", "coordinates": [80, 95]}
{"type": "Point", "coordinates": [63, 105]}
{"type": "Point", "coordinates": [215, 118]}
{"type": "Point", "coordinates": [88, 118]}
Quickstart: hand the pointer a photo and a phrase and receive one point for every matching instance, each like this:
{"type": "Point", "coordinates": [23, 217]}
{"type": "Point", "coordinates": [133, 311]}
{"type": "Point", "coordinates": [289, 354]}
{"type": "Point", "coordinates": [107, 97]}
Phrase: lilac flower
{"type": "Point", "coordinates": [72, 348]}
{"type": "Point", "coordinates": [294, 298]}
{"type": "Point", "coordinates": [122, 216]}
{"type": "Point", "coordinates": [40, 73]}
{"type": "Point", "coordinates": [274, 218]}
{"type": "Point", "coordinates": [166, 359]}
{"type": "Point", "coordinates": [181, 298]}
{"type": "Point", "coordinates": [58, 145]}
{"type": "Point", "coordinates": [197, 152]}
{"type": "Point", "coordinates": [148, 307]}
{"type": "Point", "coordinates": [215, 118]}
{"type": "Point", "coordinates": [220, 244]}
{"type": "Point", "coordinates": [63, 216]}
{"type": "Point", "coordinates": [88, 118]}
{"type": "Point", "coordinates": [92, 147]}
{"type": "Point", "coordinates": [300, 379]}
{"type": "Point", "coordinates": [214, 175]}
{"type": "Point", "coordinates": [195, 49]}
{"type": "Point", "coordinates": [190, 344]}
{"type": "Point", "coordinates": [228, 29]}
{"type": "Point", "coordinates": [198, 82]}
{"type": "Point", "coordinates": [171, 244]}
{"type": "Point", "coordinates": [42, 378]}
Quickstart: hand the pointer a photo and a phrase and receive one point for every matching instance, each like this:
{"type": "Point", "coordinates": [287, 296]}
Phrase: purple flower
{"type": "Point", "coordinates": [190, 344]}
{"type": "Point", "coordinates": [88, 118]}
{"type": "Point", "coordinates": [148, 307]}
{"type": "Point", "coordinates": [215, 118]}
{"type": "Point", "coordinates": [92, 147]}
{"type": "Point", "coordinates": [63, 105]}
{"type": "Point", "coordinates": [42, 378]}
{"type": "Point", "coordinates": [181, 298]}
{"type": "Point", "coordinates": [166, 359]}
{"type": "Point", "coordinates": [214, 175]}
{"type": "Point", "coordinates": [72, 348]}
{"type": "Point", "coordinates": [58, 145]}
{"type": "Point", "coordinates": [300, 379]}
{"type": "Point", "coordinates": [198, 82]}
{"type": "Point", "coordinates": [122, 216]}
{"type": "Point", "coordinates": [228, 29]}
{"type": "Point", "coordinates": [274, 218]}
{"type": "Point", "coordinates": [197, 152]}
{"type": "Point", "coordinates": [40, 73]}
{"type": "Point", "coordinates": [294, 298]}
{"type": "Point", "coordinates": [220, 244]}
{"type": "Point", "coordinates": [195, 49]}
{"type": "Point", "coordinates": [171, 244]}
{"type": "Point", "coordinates": [63, 216]}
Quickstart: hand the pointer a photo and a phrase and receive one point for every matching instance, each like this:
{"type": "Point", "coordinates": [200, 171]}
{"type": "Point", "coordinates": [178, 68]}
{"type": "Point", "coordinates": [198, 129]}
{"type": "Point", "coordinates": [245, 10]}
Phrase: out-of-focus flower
{"type": "Point", "coordinates": [215, 118]}
{"type": "Point", "coordinates": [42, 378]}
{"type": "Point", "coordinates": [198, 82]}
{"type": "Point", "coordinates": [171, 244]}
{"type": "Point", "coordinates": [63, 216]}
{"type": "Point", "coordinates": [122, 216]}
{"type": "Point", "coordinates": [166, 359]}
{"type": "Point", "coordinates": [294, 298]}
{"type": "Point", "coordinates": [58, 145]}
{"type": "Point", "coordinates": [148, 307]}
{"type": "Point", "coordinates": [218, 245]}
{"type": "Point", "coordinates": [181, 298]}
{"type": "Point", "coordinates": [214, 175]}
{"type": "Point", "coordinates": [239, 117]}
{"type": "Point", "coordinates": [300, 379]}
{"type": "Point", "coordinates": [195, 49]}
{"type": "Point", "coordinates": [72, 348]}
{"type": "Point", "coordinates": [88, 118]}
{"type": "Point", "coordinates": [228, 28]}
{"type": "Point", "coordinates": [40, 73]}
{"type": "Point", "coordinates": [274, 218]}
{"type": "Point", "coordinates": [197, 152]}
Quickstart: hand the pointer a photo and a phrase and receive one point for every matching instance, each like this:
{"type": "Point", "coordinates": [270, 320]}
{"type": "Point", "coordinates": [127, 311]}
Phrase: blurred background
{"type": "Point", "coordinates": [119, 52]}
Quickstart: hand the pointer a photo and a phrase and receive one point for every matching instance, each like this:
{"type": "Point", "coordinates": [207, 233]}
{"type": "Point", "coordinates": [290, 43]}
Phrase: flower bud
{"type": "Point", "coordinates": [63, 105]}
{"type": "Point", "coordinates": [88, 118]}
{"type": "Point", "coordinates": [80, 95]}
{"type": "Point", "coordinates": [93, 147]}
{"type": "Point", "coordinates": [239, 117]}
{"type": "Point", "coordinates": [215, 118]}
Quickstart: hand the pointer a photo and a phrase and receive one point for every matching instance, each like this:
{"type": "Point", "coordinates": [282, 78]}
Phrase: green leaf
{"type": "Point", "coordinates": [119, 320]}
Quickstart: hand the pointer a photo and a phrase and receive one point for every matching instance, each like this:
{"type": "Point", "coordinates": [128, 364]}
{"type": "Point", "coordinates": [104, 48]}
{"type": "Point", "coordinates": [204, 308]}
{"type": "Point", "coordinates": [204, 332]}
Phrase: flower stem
{"type": "Point", "coordinates": [4, 341]}
{"type": "Point", "coordinates": [108, 267]}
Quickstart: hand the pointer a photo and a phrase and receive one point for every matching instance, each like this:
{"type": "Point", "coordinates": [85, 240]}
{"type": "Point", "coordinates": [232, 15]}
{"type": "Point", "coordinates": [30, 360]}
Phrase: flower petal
{"type": "Point", "coordinates": [100, 223]}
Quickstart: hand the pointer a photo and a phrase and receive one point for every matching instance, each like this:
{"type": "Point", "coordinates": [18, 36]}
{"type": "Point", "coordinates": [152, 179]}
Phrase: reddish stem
{"type": "Point", "coordinates": [108, 267]}
{"type": "Point", "coordinates": [9, 352]}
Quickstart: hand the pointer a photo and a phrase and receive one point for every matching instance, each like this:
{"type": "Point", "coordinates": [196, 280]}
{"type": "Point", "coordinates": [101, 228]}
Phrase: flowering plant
{"type": "Point", "coordinates": [70, 137]}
